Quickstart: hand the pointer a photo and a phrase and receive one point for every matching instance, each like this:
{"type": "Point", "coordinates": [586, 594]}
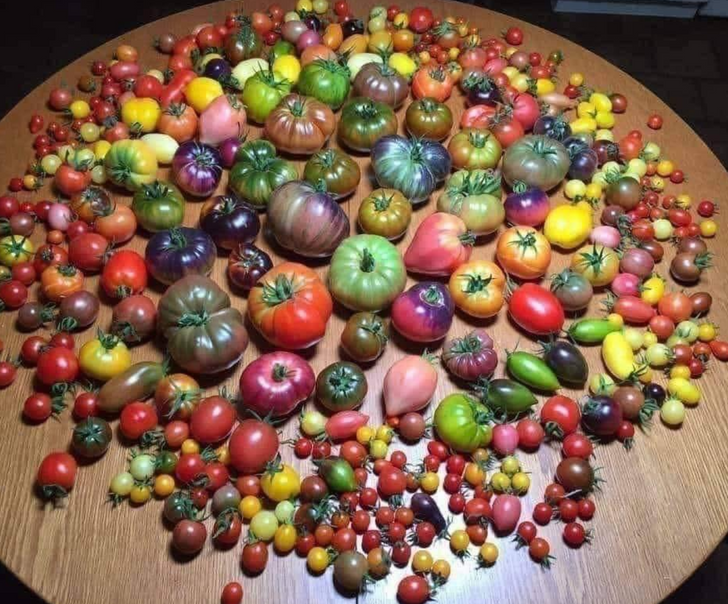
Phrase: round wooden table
{"type": "Point", "coordinates": [663, 509]}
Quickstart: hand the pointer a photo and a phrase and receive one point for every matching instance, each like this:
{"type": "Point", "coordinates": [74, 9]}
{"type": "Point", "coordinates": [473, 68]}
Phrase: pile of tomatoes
{"type": "Point", "coordinates": [366, 506]}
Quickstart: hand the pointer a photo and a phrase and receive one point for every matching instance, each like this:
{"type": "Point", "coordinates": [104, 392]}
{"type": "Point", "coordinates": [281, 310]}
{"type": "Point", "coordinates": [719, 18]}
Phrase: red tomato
{"type": "Point", "coordinates": [432, 81]}
{"type": "Point", "coordinates": [118, 226]}
{"type": "Point", "coordinates": [88, 252]}
{"type": "Point", "coordinates": [577, 445]}
{"type": "Point", "coordinates": [353, 452]}
{"type": "Point", "coordinates": [507, 130]}
{"type": "Point", "coordinates": [514, 36]}
{"type": "Point", "coordinates": [212, 420]}
{"type": "Point", "coordinates": [477, 116]}
{"type": "Point", "coordinates": [24, 272]}
{"type": "Point", "coordinates": [560, 416]}
{"type": "Point", "coordinates": [31, 349]}
{"type": "Point", "coordinates": [536, 310]}
{"type": "Point", "coordinates": [56, 475]}
{"type": "Point", "coordinates": [392, 481]}
{"type": "Point", "coordinates": [413, 589]}
{"type": "Point", "coordinates": [147, 86]}
{"type": "Point", "coordinates": [232, 593]}
{"type": "Point", "coordinates": [253, 444]}
{"type": "Point", "coordinates": [530, 434]}
{"type": "Point", "coordinates": [217, 476]}
{"type": "Point", "coordinates": [37, 407]}
{"type": "Point", "coordinates": [86, 405]}
{"type": "Point", "coordinates": [57, 364]}
{"type": "Point", "coordinates": [189, 466]}
{"type": "Point", "coordinates": [124, 274]}
{"type": "Point", "coordinates": [136, 419]}
{"type": "Point", "coordinates": [421, 19]}
{"type": "Point", "coordinates": [654, 121]}
{"type": "Point", "coordinates": [13, 294]}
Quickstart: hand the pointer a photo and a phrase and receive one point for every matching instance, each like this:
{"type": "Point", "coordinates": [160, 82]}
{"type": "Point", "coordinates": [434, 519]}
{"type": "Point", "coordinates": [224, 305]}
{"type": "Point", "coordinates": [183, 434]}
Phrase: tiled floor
{"type": "Point", "coordinates": [684, 62]}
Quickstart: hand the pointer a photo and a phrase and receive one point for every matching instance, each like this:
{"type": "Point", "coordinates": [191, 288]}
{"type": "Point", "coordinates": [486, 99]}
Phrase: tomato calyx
{"type": "Point", "coordinates": [474, 285]}
{"type": "Point", "coordinates": [278, 293]}
{"type": "Point", "coordinates": [524, 242]}
{"type": "Point", "coordinates": [53, 493]}
{"type": "Point", "coordinates": [58, 392]}
{"type": "Point", "coordinates": [190, 319]}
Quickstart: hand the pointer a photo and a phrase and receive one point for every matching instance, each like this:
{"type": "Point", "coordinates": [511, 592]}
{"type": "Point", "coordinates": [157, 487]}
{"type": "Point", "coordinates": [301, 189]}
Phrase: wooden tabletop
{"type": "Point", "coordinates": [663, 509]}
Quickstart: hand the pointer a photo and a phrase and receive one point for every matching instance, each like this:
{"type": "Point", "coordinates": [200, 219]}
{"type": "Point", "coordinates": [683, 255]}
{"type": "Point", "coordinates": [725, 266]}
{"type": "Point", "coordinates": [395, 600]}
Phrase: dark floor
{"type": "Point", "coordinates": [683, 62]}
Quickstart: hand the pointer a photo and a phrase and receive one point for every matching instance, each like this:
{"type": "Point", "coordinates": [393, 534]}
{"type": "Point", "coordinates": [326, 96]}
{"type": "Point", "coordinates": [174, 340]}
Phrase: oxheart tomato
{"type": "Point", "coordinates": [253, 445]}
{"type": "Point", "coordinates": [536, 310]}
{"type": "Point", "coordinates": [441, 243]}
{"type": "Point", "coordinates": [212, 420]}
{"type": "Point", "coordinates": [290, 306]}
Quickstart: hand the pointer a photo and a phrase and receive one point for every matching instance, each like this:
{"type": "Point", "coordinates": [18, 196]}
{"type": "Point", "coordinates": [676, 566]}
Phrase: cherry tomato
{"type": "Point", "coordinates": [654, 121]}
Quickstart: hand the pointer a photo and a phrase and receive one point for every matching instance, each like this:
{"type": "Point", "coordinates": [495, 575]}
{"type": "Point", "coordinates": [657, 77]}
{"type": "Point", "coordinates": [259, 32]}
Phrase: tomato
{"type": "Point", "coordinates": [15, 249]}
{"type": "Point", "coordinates": [212, 420]}
{"type": "Point", "coordinates": [178, 121]}
{"type": "Point", "coordinates": [56, 475]}
{"type": "Point", "coordinates": [432, 82]}
{"type": "Point", "coordinates": [560, 416]}
{"type": "Point", "coordinates": [136, 419]}
{"type": "Point", "coordinates": [413, 589]}
{"type": "Point", "coordinates": [104, 357]}
{"type": "Point", "coordinates": [188, 537]}
{"type": "Point", "coordinates": [47, 255]}
{"type": "Point", "coordinates": [37, 407]}
{"type": "Point", "coordinates": [60, 281]}
{"type": "Point", "coordinates": [536, 310]}
{"type": "Point", "coordinates": [280, 482]}
{"type": "Point", "coordinates": [507, 130]}
{"type": "Point", "coordinates": [131, 164]}
{"type": "Point", "coordinates": [473, 148]}
{"type": "Point", "coordinates": [124, 274]}
{"type": "Point", "coordinates": [232, 593]}
{"type": "Point", "coordinates": [57, 364]}
{"type": "Point", "coordinates": [676, 305]}
{"type": "Point", "coordinates": [577, 445]}
{"type": "Point", "coordinates": [141, 114]}
{"type": "Point", "coordinates": [13, 293]}
{"type": "Point", "coordinates": [421, 19]}
{"type": "Point", "coordinates": [477, 288]}
{"type": "Point", "coordinates": [523, 252]}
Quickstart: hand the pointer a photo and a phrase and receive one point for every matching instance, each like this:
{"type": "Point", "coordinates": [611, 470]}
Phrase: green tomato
{"type": "Point", "coordinates": [158, 206]}
{"type": "Point", "coordinates": [500, 482]}
{"type": "Point", "coordinates": [341, 386]}
{"type": "Point", "coordinates": [591, 331]}
{"type": "Point", "coordinates": [142, 467]}
{"type": "Point", "coordinates": [364, 121]}
{"type": "Point", "coordinates": [532, 371]}
{"type": "Point", "coordinates": [131, 163]}
{"type": "Point", "coordinates": [258, 172]}
{"type": "Point", "coordinates": [510, 465]}
{"type": "Point", "coordinates": [658, 355]}
{"type": "Point", "coordinates": [279, 49]}
{"type": "Point", "coordinates": [602, 383]}
{"type": "Point", "coordinates": [50, 163]}
{"type": "Point", "coordinates": [462, 423]}
{"type": "Point", "coordinates": [262, 92]}
{"type": "Point", "coordinates": [367, 273]}
{"type": "Point", "coordinates": [672, 412]}
{"type": "Point", "coordinates": [121, 484]}
{"type": "Point", "coordinates": [284, 511]}
{"type": "Point", "coordinates": [326, 81]}
{"type": "Point", "coordinates": [15, 249]}
{"type": "Point", "coordinates": [264, 525]}
{"type": "Point", "coordinates": [688, 330]}
{"type": "Point", "coordinates": [98, 175]}
{"type": "Point", "coordinates": [651, 152]}
{"type": "Point", "coordinates": [663, 229]}
{"type": "Point", "coordinates": [376, 24]}
{"type": "Point", "coordinates": [536, 160]}
{"type": "Point", "coordinates": [338, 474]}
{"type": "Point", "coordinates": [339, 171]}
{"type": "Point", "coordinates": [89, 132]}
{"type": "Point", "coordinates": [313, 423]}
{"type": "Point", "coordinates": [509, 396]}
{"type": "Point", "coordinates": [166, 462]}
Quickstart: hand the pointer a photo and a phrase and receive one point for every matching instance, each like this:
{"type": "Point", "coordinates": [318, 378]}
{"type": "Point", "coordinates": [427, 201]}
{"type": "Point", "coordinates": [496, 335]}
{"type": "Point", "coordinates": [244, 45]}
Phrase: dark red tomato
{"type": "Point", "coordinates": [438, 449]}
{"type": "Point", "coordinates": [124, 274]}
{"type": "Point", "coordinates": [633, 310]}
{"type": "Point", "coordinates": [398, 459]}
{"type": "Point", "coordinates": [253, 444]}
{"type": "Point", "coordinates": [530, 434]}
{"type": "Point", "coordinates": [13, 294]}
{"type": "Point", "coordinates": [554, 493]}
{"type": "Point", "coordinates": [188, 537]}
{"type": "Point", "coordinates": [360, 521]}
{"type": "Point", "coordinates": [413, 589]}
{"type": "Point", "coordinates": [63, 339]}
{"type": "Point", "coordinates": [57, 364]}
{"type": "Point", "coordinates": [421, 19]}
{"type": "Point", "coordinates": [368, 497]}
{"type": "Point", "coordinates": [189, 466]}
{"type": "Point", "coordinates": [355, 453]}
{"type": "Point", "coordinates": [232, 593]}
{"type": "Point", "coordinates": [88, 252]}
{"type": "Point", "coordinates": [625, 433]}
{"type": "Point", "coordinates": [452, 483]}
{"type": "Point", "coordinates": [536, 310]}
{"type": "Point", "coordinates": [76, 229]}
{"type": "Point", "coordinates": [431, 463]}
{"type": "Point", "coordinates": [303, 447]}
{"type": "Point", "coordinates": [9, 206]}
{"type": "Point", "coordinates": [175, 433]}
{"type": "Point", "coordinates": [212, 420]}
{"type": "Point", "coordinates": [560, 416]}
{"type": "Point", "coordinates": [514, 36]}
{"type": "Point", "coordinates": [15, 184]}
{"type": "Point", "coordinates": [56, 475]}
{"type": "Point", "coordinates": [577, 445]}
{"type": "Point", "coordinates": [371, 540]}
{"type": "Point", "coordinates": [425, 533]}
{"type": "Point", "coordinates": [392, 481]}
{"type": "Point", "coordinates": [37, 407]}
{"type": "Point", "coordinates": [575, 534]}
{"type": "Point", "coordinates": [86, 405]}
{"type": "Point", "coordinates": [526, 532]}
{"type": "Point", "coordinates": [24, 272]}
{"type": "Point", "coordinates": [542, 513]}
{"type": "Point", "coordinates": [384, 516]}
{"type": "Point", "coordinates": [305, 543]}
{"type": "Point", "coordinates": [60, 98]}
{"type": "Point", "coordinates": [321, 450]}
{"type": "Point", "coordinates": [706, 208]}
{"type": "Point", "coordinates": [217, 476]}
{"type": "Point", "coordinates": [568, 510]}
{"type": "Point", "coordinates": [456, 503]}
{"type": "Point", "coordinates": [401, 553]}
{"type": "Point", "coordinates": [199, 496]}
{"type": "Point", "coordinates": [642, 229]}
{"type": "Point", "coordinates": [654, 121]}
{"type": "Point", "coordinates": [587, 508]}
{"type": "Point", "coordinates": [396, 531]}
{"type": "Point", "coordinates": [455, 464]}
{"type": "Point", "coordinates": [677, 176]}
{"type": "Point", "coordinates": [540, 72]}
{"type": "Point", "coordinates": [31, 349]}
{"type": "Point", "coordinates": [136, 419]}
{"type": "Point", "coordinates": [8, 372]}
{"type": "Point", "coordinates": [476, 509]}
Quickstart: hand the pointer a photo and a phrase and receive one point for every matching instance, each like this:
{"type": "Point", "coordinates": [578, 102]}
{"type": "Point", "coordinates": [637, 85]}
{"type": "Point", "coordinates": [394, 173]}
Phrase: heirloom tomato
{"type": "Point", "coordinates": [104, 357]}
{"type": "Point", "coordinates": [364, 337]}
{"type": "Point", "coordinates": [158, 206]}
{"type": "Point", "coordinates": [473, 148]}
{"type": "Point", "coordinates": [463, 423]}
{"type": "Point", "coordinates": [441, 243]}
{"type": "Point", "coordinates": [536, 310]}
{"type": "Point", "coordinates": [364, 121]}
{"type": "Point", "coordinates": [568, 226]}
{"type": "Point", "coordinates": [433, 81]}
{"type": "Point", "coordinates": [385, 212]}
{"type": "Point", "coordinates": [336, 169]}
{"type": "Point", "coordinates": [477, 288]}
{"type": "Point", "coordinates": [299, 125]}
{"type": "Point", "coordinates": [258, 172]}
{"type": "Point", "coordinates": [523, 252]}
{"type": "Point", "coordinates": [474, 196]}
{"type": "Point", "coordinates": [131, 164]}
{"type": "Point", "coordinates": [597, 263]}
{"type": "Point", "coordinates": [428, 118]}
{"type": "Point", "coordinates": [60, 281]}
{"type": "Point", "coordinates": [262, 93]}
{"type": "Point", "coordinates": [327, 81]}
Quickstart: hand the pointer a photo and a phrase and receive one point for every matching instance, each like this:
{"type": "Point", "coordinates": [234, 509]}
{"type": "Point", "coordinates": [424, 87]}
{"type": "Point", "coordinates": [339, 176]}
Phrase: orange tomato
{"type": "Point", "coordinates": [477, 287]}
{"type": "Point", "coordinates": [178, 121]}
{"type": "Point", "coordinates": [355, 44]}
{"type": "Point", "coordinates": [523, 252]}
{"type": "Point", "coordinates": [432, 81]}
{"type": "Point", "coordinates": [333, 36]}
{"type": "Point", "coordinates": [59, 281]}
{"type": "Point", "coordinates": [403, 40]}
{"type": "Point", "coordinates": [317, 51]}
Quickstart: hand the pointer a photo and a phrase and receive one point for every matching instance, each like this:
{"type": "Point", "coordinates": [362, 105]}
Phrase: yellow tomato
{"type": "Point", "coordinates": [249, 506]}
{"type": "Point", "coordinates": [568, 226]}
{"type": "Point", "coordinates": [684, 389]}
{"type": "Point", "coordinates": [385, 433]}
{"type": "Point", "coordinates": [665, 167]}
{"type": "Point", "coordinates": [190, 446]}
{"type": "Point", "coordinates": [615, 319]}
{"type": "Point", "coordinates": [79, 109]}
{"type": "Point", "coordinates": [634, 337]}
{"type": "Point", "coordinates": [285, 538]}
{"type": "Point", "coordinates": [104, 357]}
{"type": "Point", "coordinates": [683, 201]}
{"type": "Point", "coordinates": [453, 53]}
{"type": "Point", "coordinates": [140, 494]}
{"type": "Point", "coordinates": [586, 109]}
{"type": "Point", "coordinates": [223, 454]}
{"type": "Point", "coordinates": [544, 86]}
{"type": "Point", "coordinates": [680, 371]}
{"type": "Point", "coordinates": [378, 449]}
{"type": "Point", "coordinates": [422, 561]}
{"type": "Point", "coordinates": [488, 553]}
{"type": "Point", "coordinates": [583, 125]}
{"type": "Point", "coordinates": [401, 20]}
{"type": "Point", "coordinates": [510, 72]}
{"type": "Point", "coordinates": [644, 374]}
{"type": "Point", "coordinates": [288, 66]}
{"type": "Point", "coordinates": [31, 182]}
{"type": "Point", "coordinates": [672, 412]}
{"type": "Point", "coordinates": [707, 332]}
{"type": "Point", "coordinates": [604, 135]}
{"type": "Point", "coordinates": [510, 465]}
{"type": "Point", "coordinates": [653, 289]}
{"type": "Point", "coordinates": [429, 482]}
{"type": "Point", "coordinates": [708, 228]}
{"type": "Point", "coordinates": [317, 559]}
{"type": "Point", "coordinates": [364, 435]}
{"type": "Point", "coordinates": [379, 41]}
{"type": "Point", "coordinates": [521, 82]}
{"type": "Point", "coordinates": [141, 115]}
{"type": "Point", "coordinates": [593, 192]}
{"type": "Point", "coordinates": [304, 6]}
{"type": "Point", "coordinates": [474, 474]}
{"type": "Point", "coordinates": [441, 569]}
{"type": "Point", "coordinates": [163, 485]}
{"type": "Point", "coordinates": [423, 57]}
{"type": "Point", "coordinates": [657, 184]}
{"type": "Point", "coordinates": [201, 91]}
{"type": "Point", "coordinates": [618, 355]}
{"type": "Point", "coordinates": [649, 339]}
{"type": "Point", "coordinates": [280, 482]}
{"type": "Point", "coordinates": [576, 79]}
{"type": "Point", "coordinates": [500, 482]}
{"type": "Point", "coordinates": [402, 63]}
{"type": "Point", "coordinates": [459, 541]}
{"type": "Point", "coordinates": [520, 483]}
{"type": "Point", "coordinates": [354, 45]}
{"type": "Point", "coordinates": [101, 148]}
{"type": "Point", "coordinates": [637, 166]}
{"type": "Point", "coordinates": [601, 101]}
{"type": "Point", "coordinates": [575, 189]}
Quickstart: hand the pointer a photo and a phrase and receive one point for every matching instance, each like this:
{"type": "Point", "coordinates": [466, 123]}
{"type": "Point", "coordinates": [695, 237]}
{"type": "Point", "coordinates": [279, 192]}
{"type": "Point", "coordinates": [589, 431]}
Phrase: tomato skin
{"type": "Point", "coordinates": [56, 474]}
{"type": "Point", "coordinates": [255, 557]}
{"type": "Point", "coordinates": [253, 444]}
{"type": "Point", "coordinates": [421, 19]}
{"type": "Point", "coordinates": [536, 309]}
{"type": "Point", "coordinates": [232, 593]}
{"type": "Point", "coordinates": [634, 310]}
{"type": "Point", "coordinates": [57, 364]}
{"type": "Point", "coordinates": [87, 251]}
{"type": "Point", "coordinates": [432, 82]}
{"type": "Point", "coordinates": [37, 407]}
{"type": "Point", "coordinates": [212, 420]}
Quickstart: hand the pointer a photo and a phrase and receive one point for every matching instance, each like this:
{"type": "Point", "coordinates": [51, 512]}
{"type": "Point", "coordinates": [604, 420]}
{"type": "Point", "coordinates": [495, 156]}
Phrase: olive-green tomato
{"type": "Point", "coordinates": [258, 172]}
{"type": "Point", "coordinates": [341, 386]}
{"type": "Point", "coordinates": [262, 92]}
{"type": "Point", "coordinates": [325, 80]}
{"type": "Point", "coordinates": [364, 121]}
{"type": "Point", "coordinates": [367, 273]}
{"type": "Point", "coordinates": [463, 423]}
{"type": "Point", "coordinates": [532, 371]}
{"type": "Point", "coordinates": [166, 462]}
{"type": "Point", "coordinates": [92, 437]}
{"type": "Point", "coordinates": [158, 206]}
{"type": "Point", "coordinates": [338, 475]}
{"type": "Point", "coordinates": [591, 331]}
{"type": "Point", "coordinates": [508, 396]}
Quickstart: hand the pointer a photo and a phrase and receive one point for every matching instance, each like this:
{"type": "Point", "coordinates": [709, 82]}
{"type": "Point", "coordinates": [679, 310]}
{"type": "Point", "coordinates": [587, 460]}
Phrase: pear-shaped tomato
{"type": "Point", "coordinates": [441, 243]}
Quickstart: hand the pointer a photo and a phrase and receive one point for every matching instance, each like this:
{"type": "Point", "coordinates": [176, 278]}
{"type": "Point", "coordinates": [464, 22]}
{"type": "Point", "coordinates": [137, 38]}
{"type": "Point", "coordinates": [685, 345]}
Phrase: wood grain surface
{"type": "Point", "coordinates": [663, 509]}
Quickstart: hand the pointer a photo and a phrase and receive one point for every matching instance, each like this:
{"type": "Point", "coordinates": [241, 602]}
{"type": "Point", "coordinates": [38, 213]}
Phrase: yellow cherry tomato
{"type": "Point", "coordinates": [140, 494]}
{"type": "Point", "coordinates": [510, 72]}
{"type": "Point", "coordinates": [401, 20]}
{"type": "Point", "coordinates": [453, 53]}
{"type": "Point", "coordinates": [30, 182]}
{"type": "Point", "coordinates": [644, 374]}
{"type": "Point", "coordinates": [583, 125]}
{"type": "Point", "coordinates": [459, 541]}
{"type": "Point", "coordinates": [441, 569]}
{"type": "Point", "coordinates": [586, 109]}
{"type": "Point", "coordinates": [304, 6]}
{"type": "Point", "coordinates": [576, 79]}
{"type": "Point", "coordinates": [317, 559]}
{"type": "Point", "coordinates": [379, 41]}
{"type": "Point", "coordinates": [385, 433]}
{"type": "Point", "coordinates": [653, 289]}
{"type": "Point", "coordinates": [164, 485]}
{"type": "Point", "coordinates": [364, 435]}
{"type": "Point", "coordinates": [520, 483]}
{"type": "Point", "coordinates": [104, 357]}
{"type": "Point", "coordinates": [101, 148]}
{"type": "Point", "coordinates": [520, 82]}
{"type": "Point", "coordinates": [79, 109]}
{"type": "Point", "coordinates": [285, 538]}
{"type": "Point", "coordinates": [544, 86]}
{"type": "Point", "coordinates": [474, 474]}
{"type": "Point", "coordinates": [637, 166]}
{"type": "Point", "coordinates": [190, 446]}
{"type": "Point", "coordinates": [141, 114]}
{"type": "Point", "coordinates": [488, 553]}
{"type": "Point", "coordinates": [568, 226]}
{"type": "Point", "coordinates": [500, 482]}
{"type": "Point", "coordinates": [657, 184]}
{"type": "Point", "coordinates": [665, 167]}
{"type": "Point", "coordinates": [378, 449]}
{"type": "Point", "coordinates": [684, 390]}
{"type": "Point", "coordinates": [604, 134]}
{"type": "Point", "coordinates": [201, 91]}
{"type": "Point", "coordinates": [575, 189]}
{"type": "Point", "coordinates": [510, 465]}
{"type": "Point", "coordinates": [403, 64]}
{"type": "Point", "coordinates": [601, 101]}
{"type": "Point", "coordinates": [429, 482]}
{"type": "Point", "coordinates": [615, 319]}
{"type": "Point", "coordinates": [264, 525]}
{"type": "Point", "coordinates": [708, 228]}
{"type": "Point", "coordinates": [249, 506]}
{"type": "Point", "coordinates": [280, 482]}
{"type": "Point", "coordinates": [618, 356]}
{"type": "Point", "coordinates": [672, 412]}
{"type": "Point", "coordinates": [634, 337]}
{"type": "Point", "coordinates": [593, 191]}
{"type": "Point", "coordinates": [707, 332]}
{"type": "Point", "coordinates": [680, 371]}
{"type": "Point", "coordinates": [649, 339]}
{"type": "Point", "coordinates": [422, 561]}
{"type": "Point", "coordinates": [683, 201]}
{"type": "Point", "coordinates": [289, 67]}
